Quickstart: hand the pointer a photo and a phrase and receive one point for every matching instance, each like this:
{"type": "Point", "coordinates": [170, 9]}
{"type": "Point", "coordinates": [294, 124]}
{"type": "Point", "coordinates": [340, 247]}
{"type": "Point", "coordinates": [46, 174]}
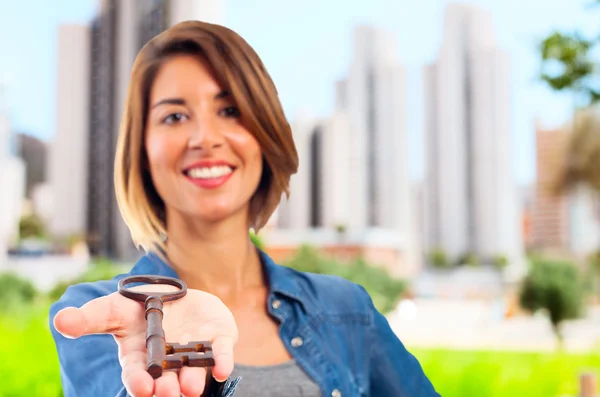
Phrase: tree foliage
{"type": "Point", "coordinates": [556, 288]}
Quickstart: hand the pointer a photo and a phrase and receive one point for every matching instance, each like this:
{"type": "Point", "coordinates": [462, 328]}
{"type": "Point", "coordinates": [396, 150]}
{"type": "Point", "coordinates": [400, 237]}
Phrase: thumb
{"type": "Point", "coordinates": [111, 314]}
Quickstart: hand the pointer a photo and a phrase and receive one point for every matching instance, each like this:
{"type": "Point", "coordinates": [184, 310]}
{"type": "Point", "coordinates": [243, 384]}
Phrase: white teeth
{"type": "Point", "coordinates": [210, 172]}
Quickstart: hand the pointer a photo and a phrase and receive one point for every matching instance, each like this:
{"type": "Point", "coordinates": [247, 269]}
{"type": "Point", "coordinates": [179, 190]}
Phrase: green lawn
{"type": "Point", "coordinates": [457, 373]}
{"type": "Point", "coordinates": [29, 366]}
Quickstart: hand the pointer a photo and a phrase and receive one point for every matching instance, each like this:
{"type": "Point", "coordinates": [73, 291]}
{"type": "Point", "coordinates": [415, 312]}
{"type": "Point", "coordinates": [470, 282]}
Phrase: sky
{"type": "Point", "coordinates": [307, 46]}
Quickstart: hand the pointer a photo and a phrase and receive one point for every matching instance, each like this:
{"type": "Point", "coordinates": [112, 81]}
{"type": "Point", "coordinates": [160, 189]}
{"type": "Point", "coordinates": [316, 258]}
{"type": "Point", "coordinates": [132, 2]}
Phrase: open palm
{"type": "Point", "coordinates": [195, 317]}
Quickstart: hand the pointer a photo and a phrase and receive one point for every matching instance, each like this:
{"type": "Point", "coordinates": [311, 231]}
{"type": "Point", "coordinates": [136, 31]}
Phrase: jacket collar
{"type": "Point", "coordinates": [281, 279]}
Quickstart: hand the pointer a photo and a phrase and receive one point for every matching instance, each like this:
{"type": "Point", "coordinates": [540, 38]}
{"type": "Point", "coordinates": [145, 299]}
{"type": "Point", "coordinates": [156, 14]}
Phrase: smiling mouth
{"type": "Point", "coordinates": [205, 173]}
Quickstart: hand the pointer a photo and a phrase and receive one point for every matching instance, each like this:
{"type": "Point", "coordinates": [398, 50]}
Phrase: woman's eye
{"type": "Point", "coordinates": [231, 111]}
{"type": "Point", "coordinates": [174, 118]}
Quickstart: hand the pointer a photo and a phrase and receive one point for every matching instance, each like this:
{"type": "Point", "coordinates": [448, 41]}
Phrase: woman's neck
{"type": "Point", "coordinates": [218, 258]}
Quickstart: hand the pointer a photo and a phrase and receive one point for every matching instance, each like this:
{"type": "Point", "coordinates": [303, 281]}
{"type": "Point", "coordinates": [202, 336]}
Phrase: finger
{"type": "Point", "coordinates": [108, 314]}
{"type": "Point", "coordinates": [223, 353]}
{"type": "Point", "coordinates": [136, 379]}
{"type": "Point", "coordinates": [192, 381]}
{"type": "Point", "coordinates": [167, 385]}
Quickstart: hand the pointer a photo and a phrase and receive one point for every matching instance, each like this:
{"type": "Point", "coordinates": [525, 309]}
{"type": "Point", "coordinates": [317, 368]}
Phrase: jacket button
{"type": "Point", "coordinates": [336, 393]}
{"type": "Point", "coordinates": [276, 304]}
{"type": "Point", "coordinates": [297, 341]}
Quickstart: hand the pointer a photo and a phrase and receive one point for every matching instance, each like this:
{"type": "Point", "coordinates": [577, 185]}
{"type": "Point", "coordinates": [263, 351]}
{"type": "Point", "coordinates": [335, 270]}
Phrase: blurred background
{"type": "Point", "coordinates": [449, 163]}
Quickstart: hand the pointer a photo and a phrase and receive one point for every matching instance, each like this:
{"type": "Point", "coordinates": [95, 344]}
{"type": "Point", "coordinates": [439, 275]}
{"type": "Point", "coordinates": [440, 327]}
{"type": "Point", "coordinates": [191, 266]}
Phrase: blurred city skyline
{"type": "Point", "coordinates": [306, 49]}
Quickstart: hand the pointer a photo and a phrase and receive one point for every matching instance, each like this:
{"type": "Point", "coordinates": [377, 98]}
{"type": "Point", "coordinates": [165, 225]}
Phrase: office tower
{"type": "Point", "coordinates": [471, 193]}
{"type": "Point", "coordinates": [118, 33]}
{"type": "Point", "coordinates": [34, 153]}
{"type": "Point", "coordinates": [561, 221]}
{"type": "Point", "coordinates": [12, 181]}
{"type": "Point", "coordinates": [549, 223]}
{"type": "Point", "coordinates": [67, 168]}
{"type": "Point", "coordinates": [320, 189]}
{"type": "Point", "coordinates": [294, 212]}
{"type": "Point", "coordinates": [373, 96]}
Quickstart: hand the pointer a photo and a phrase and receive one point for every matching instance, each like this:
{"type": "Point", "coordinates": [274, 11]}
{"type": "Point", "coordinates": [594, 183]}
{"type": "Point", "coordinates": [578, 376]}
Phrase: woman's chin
{"type": "Point", "coordinates": [212, 215]}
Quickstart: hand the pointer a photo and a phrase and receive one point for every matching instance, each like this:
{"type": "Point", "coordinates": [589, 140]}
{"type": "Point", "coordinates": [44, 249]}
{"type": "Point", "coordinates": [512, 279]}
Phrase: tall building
{"type": "Point", "coordinates": [320, 189]}
{"type": "Point", "coordinates": [33, 151]}
{"type": "Point", "coordinates": [561, 221]}
{"type": "Point", "coordinates": [67, 168]}
{"type": "Point", "coordinates": [113, 41]}
{"type": "Point", "coordinates": [374, 97]}
{"type": "Point", "coordinates": [12, 181]}
{"type": "Point", "coordinates": [352, 193]}
{"type": "Point", "coordinates": [472, 204]}
{"type": "Point", "coordinates": [549, 221]}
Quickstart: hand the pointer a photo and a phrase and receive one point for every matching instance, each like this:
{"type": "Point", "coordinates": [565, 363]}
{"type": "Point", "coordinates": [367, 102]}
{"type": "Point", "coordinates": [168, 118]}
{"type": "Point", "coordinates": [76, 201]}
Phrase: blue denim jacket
{"type": "Point", "coordinates": [340, 339]}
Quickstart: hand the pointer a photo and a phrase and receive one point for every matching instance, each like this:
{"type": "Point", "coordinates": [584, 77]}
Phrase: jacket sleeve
{"type": "Point", "coordinates": [393, 370]}
{"type": "Point", "coordinates": [89, 365]}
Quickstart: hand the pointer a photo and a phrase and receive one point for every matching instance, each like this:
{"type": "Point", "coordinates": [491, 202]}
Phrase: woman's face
{"type": "Point", "coordinates": [204, 164]}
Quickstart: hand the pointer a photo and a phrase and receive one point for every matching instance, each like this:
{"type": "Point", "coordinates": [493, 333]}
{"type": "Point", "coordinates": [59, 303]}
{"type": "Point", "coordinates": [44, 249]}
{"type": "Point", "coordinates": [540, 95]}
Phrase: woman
{"type": "Point", "coordinates": [204, 154]}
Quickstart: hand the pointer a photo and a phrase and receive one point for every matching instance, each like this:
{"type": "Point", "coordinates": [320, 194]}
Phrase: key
{"type": "Point", "coordinates": [162, 355]}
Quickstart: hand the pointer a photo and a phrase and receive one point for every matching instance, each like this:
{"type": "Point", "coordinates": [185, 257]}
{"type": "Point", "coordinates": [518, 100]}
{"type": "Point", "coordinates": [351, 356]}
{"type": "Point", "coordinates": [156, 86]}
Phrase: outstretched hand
{"type": "Point", "coordinates": [195, 317]}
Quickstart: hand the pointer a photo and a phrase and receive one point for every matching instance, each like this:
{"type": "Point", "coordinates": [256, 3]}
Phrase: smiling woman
{"type": "Point", "coordinates": [205, 153]}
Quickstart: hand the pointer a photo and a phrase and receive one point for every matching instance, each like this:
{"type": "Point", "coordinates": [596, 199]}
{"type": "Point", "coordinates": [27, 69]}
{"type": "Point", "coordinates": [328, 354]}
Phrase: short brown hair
{"type": "Point", "coordinates": [237, 69]}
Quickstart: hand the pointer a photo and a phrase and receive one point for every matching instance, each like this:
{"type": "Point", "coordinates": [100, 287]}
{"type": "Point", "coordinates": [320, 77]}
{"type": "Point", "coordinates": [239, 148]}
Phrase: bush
{"type": "Point", "coordinates": [438, 259]}
{"type": "Point", "coordinates": [30, 226]}
{"type": "Point", "coordinates": [15, 292]}
{"type": "Point", "coordinates": [556, 287]}
{"type": "Point", "coordinates": [500, 261]}
{"type": "Point", "coordinates": [468, 259]}
{"type": "Point", "coordinates": [383, 289]}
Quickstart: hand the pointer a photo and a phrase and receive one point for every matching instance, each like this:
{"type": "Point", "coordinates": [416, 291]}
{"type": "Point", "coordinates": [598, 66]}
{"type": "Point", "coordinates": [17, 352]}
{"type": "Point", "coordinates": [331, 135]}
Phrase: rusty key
{"type": "Point", "coordinates": [163, 355]}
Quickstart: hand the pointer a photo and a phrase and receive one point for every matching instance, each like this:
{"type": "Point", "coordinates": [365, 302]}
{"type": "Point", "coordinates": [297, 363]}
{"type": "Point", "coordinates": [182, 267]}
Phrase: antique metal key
{"type": "Point", "coordinates": [163, 355]}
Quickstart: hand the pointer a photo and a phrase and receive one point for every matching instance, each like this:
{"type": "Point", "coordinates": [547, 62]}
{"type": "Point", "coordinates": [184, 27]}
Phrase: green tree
{"type": "Point", "coordinates": [556, 288]}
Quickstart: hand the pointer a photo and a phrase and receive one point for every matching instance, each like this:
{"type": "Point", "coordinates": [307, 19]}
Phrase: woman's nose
{"type": "Point", "coordinates": [205, 135]}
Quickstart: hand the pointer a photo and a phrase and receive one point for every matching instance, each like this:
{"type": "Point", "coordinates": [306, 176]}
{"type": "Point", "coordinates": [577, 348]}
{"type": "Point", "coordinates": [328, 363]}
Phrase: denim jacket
{"type": "Point", "coordinates": [328, 324]}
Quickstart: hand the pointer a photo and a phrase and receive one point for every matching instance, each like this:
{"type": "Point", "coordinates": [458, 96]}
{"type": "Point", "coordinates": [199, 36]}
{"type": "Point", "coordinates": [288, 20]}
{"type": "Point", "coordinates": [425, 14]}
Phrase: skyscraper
{"type": "Point", "coordinates": [67, 168]}
{"type": "Point", "coordinates": [471, 193]}
{"type": "Point", "coordinates": [118, 33]}
{"type": "Point", "coordinates": [352, 190]}
{"type": "Point", "coordinates": [549, 223]}
{"type": "Point", "coordinates": [12, 181]}
{"type": "Point", "coordinates": [561, 221]}
{"type": "Point", "coordinates": [374, 97]}
{"type": "Point", "coordinates": [33, 151]}
{"type": "Point", "coordinates": [320, 189]}
{"type": "Point", "coordinates": [115, 37]}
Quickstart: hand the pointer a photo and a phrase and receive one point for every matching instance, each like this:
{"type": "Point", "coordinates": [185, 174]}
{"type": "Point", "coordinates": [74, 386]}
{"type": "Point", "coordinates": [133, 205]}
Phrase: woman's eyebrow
{"type": "Point", "coordinates": [169, 101]}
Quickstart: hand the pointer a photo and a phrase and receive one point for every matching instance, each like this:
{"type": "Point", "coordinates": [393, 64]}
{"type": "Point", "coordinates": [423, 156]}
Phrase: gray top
{"type": "Point", "coordinates": [281, 380]}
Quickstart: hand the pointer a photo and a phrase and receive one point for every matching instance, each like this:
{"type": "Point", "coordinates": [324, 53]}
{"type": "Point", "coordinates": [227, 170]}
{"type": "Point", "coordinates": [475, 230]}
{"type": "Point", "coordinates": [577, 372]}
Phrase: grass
{"type": "Point", "coordinates": [29, 364]}
{"type": "Point", "coordinates": [457, 373]}
{"type": "Point", "coordinates": [30, 367]}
